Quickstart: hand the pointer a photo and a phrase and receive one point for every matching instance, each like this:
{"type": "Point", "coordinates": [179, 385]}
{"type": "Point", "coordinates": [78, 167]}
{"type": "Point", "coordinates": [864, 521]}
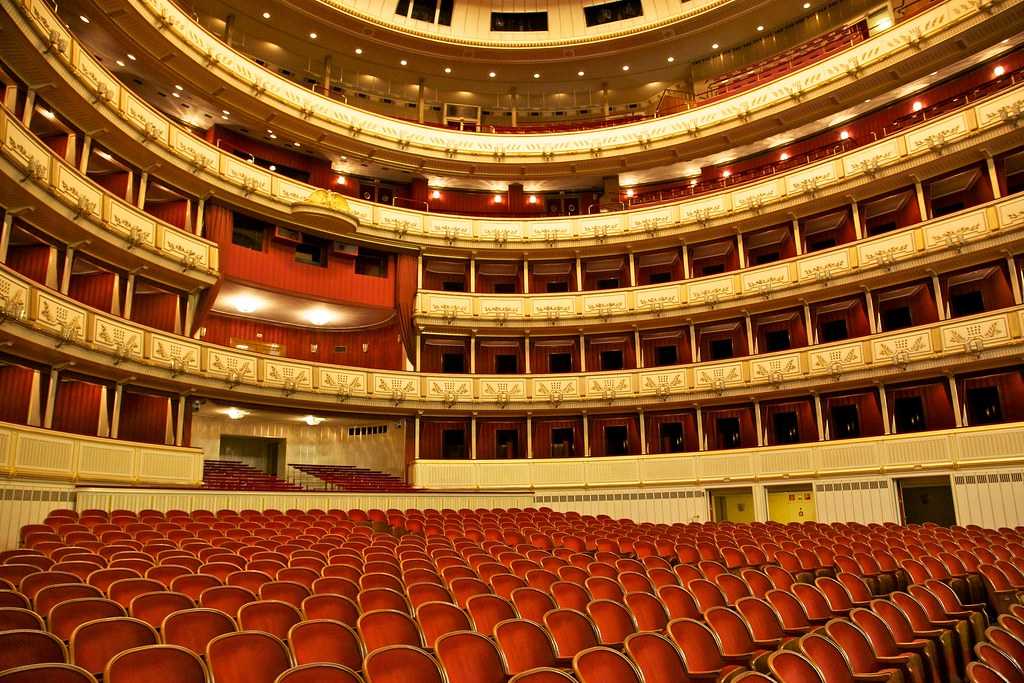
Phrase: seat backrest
{"type": "Point", "coordinates": [486, 610]}
{"type": "Point", "coordinates": [758, 582]}
{"type": "Point", "coordinates": [524, 644]}
{"type": "Point", "coordinates": [319, 672]}
{"type": "Point", "coordinates": [400, 664]}
{"type": "Point", "coordinates": [47, 673]}
{"type": "Point", "coordinates": [381, 628]}
{"type": "Point", "coordinates": [247, 657]}
{"type": "Point", "coordinates": [648, 611]}
{"type": "Point", "coordinates": [330, 606]}
{"type": "Point", "coordinates": [438, 618]}
{"type": "Point", "coordinates": [679, 602]}
{"type": "Point", "coordinates": [1000, 661]}
{"type": "Point", "coordinates": [792, 667]}
{"type": "Point", "coordinates": [855, 586]}
{"type": "Point", "coordinates": [895, 618]}
{"type": "Point", "coordinates": [827, 657]}
{"type": "Point", "coordinates": [532, 603]}
{"type": "Point", "coordinates": [324, 640]}
{"type": "Point", "coordinates": [469, 657]}
{"type": "Point", "coordinates": [604, 665]}
{"type": "Point", "coordinates": [94, 643]}
{"type": "Point", "coordinates": [271, 616]}
{"type": "Point", "coordinates": [21, 647]}
{"type": "Point", "coordinates": [66, 616]}
{"type": "Point", "coordinates": [855, 645]}
{"type": "Point", "coordinates": [1005, 641]}
{"type": "Point", "coordinates": [657, 658]}
{"type": "Point", "coordinates": [732, 631]}
{"type": "Point", "coordinates": [697, 644]}
{"type": "Point", "coordinates": [977, 672]}
{"type": "Point", "coordinates": [153, 608]}
{"type": "Point", "coordinates": [228, 599]}
{"type": "Point", "coordinates": [761, 617]}
{"type": "Point", "coordinates": [882, 640]}
{"type": "Point", "coordinates": [613, 621]}
{"type": "Point", "coordinates": [813, 600]}
{"type": "Point", "coordinates": [153, 663]}
{"type": "Point", "coordinates": [572, 631]}
{"type": "Point", "coordinates": [195, 628]}
{"type": "Point", "coordinates": [543, 675]}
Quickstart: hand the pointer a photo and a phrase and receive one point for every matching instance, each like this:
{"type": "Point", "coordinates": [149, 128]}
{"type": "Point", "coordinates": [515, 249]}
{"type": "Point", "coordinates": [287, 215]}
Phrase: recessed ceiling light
{"type": "Point", "coordinates": [266, 15]}
{"type": "Point", "coordinates": [246, 303]}
{"type": "Point", "coordinates": [580, 73]}
{"type": "Point", "coordinates": [999, 70]}
{"type": "Point", "coordinates": [236, 413]}
{"type": "Point", "coordinates": [225, 112]}
{"type": "Point", "coordinates": [272, 167]}
{"type": "Point", "coordinates": [313, 36]}
{"type": "Point", "coordinates": [760, 28]}
{"type": "Point", "coordinates": [807, 5]}
{"type": "Point", "coordinates": [131, 56]}
{"type": "Point", "coordinates": [492, 74]}
{"type": "Point", "coordinates": [120, 63]}
{"type": "Point", "coordinates": [178, 88]}
{"type": "Point", "coordinates": [224, 116]}
{"type": "Point", "coordinates": [297, 144]}
{"type": "Point", "coordinates": [174, 94]}
{"type": "Point", "coordinates": [625, 67]}
{"type": "Point", "coordinates": [630, 192]}
{"type": "Point", "coordinates": [359, 50]}
{"type": "Point", "coordinates": [714, 46]}
{"type": "Point", "coordinates": [671, 59]}
{"type": "Point", "coordinates": [84, 18]}
{"type": "Point", "coordinates": [536, 75]}
{"type": "Point", "coordinates": [447, 69]}
{"type": "Point", "coordinates": [726, 173]}
{"type": "Point", "coordinates": [319, 316]}
{"type": "Point", "coordinates": [313, 420]}
{"type": "Point", "coordinates": [273, 137]}
{"type": "Point", "coordinates": [404, 63]}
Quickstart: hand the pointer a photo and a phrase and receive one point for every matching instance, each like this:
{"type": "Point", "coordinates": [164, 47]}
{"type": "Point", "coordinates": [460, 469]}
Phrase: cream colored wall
{"type": "Point", "coordinates": [325, 444]}
{"type": "Point", "coordinates": [791, 506]}
{"type": "Point", "coordinates": [23, 502]}
{"type": "Point", "coordinates": [734, 507]}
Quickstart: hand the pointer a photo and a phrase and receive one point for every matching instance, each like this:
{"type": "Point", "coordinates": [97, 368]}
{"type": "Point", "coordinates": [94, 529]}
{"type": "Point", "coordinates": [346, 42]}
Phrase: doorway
{"type": "Point", "coordinates": [732, 505]}
{"type": "Point", "coordinates": [927, 499]}
{"type": "Point", "coordinates": [262, 454]}
{"type": "Point", "coordinates": [791, 503]}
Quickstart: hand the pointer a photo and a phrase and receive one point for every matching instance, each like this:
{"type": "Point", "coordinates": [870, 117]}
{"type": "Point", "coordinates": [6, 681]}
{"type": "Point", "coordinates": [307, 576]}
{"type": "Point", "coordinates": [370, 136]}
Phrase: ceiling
{"type": "Point", "coordinates": [237, 299]}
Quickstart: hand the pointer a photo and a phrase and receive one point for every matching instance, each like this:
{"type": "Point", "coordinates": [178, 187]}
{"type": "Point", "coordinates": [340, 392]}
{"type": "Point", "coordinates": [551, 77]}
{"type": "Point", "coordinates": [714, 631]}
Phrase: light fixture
{"type": "Point", "coordinates": [447, 69]}
{"type": "Point", "coordinates": [844, 135]}
{"type": "Point", "coordinates": [497, 199]}
{"type": "Point", "coordinates": [726, 173]}
{"type": "Point", "coordinates": [120, 63]}
{"type": "Point", "coordinates": [313, 420]}
{"type": "Point", "coordinates": [341, 180]}
{"type": "Point", "coordinates": [693, 182]}
{"type": "Point", "coordinates": [359, 50]}
{"type": "Point", "coordinates": [224, 116]}
{"type": "Point", "coordinates": [178, 88]}
{"type": "Point", "coordinates": [492, 74]}
{"type": "Point", "coordinates": [532, 199]}
{"type": "Point", "coordinates": [536, 75]}
{"type": "Point", "coordinates": [999, 71]}
{"type": "Point", "coordinates": [104, 155]}
{"type": "Point", "coordinates": [784, 156]}
{"type": "Point", "coordinates": [312, 35]}
{"type": "Point", "coordinates": [580, 73]}
{"type": "Point", "coordinates": [625, 67]}
{"type": "Point", "coordinates": [85, 19]}
{"type": "Point", "coordinates": [403, 62]}
{"type": "Point", "coordinates": [272, 168]}
{"type": "Point", "coordinates": [236, 413]}
{"type": "Point", "coordinates": [246, 303]}
{"type": "Point", "coordinates": [47, 114]}
{"type": "Point", "coordinates": [436, 194]}
{"type": "Point", "coordinates": [630, 192]}
{"type": "Point", "coordinates": [760, 28]}
{"type": "Point", "coordinates": [272, 136]}
{"type": "Point", "coordinates": [807, 5]}
{"type": "Point", "coordinates": [131, 56]}
{"type": "Point", "coordinates": [671, 59]}
{"type": "Point", "coordinates": [266, 15]}
{"type": "Point", "coordinates": [174, 94]}
{"type": "Point", "coordinates": [917, 106]}
{"type": "Point", "coordinates": [225, 112]}
{"type": "Point", "coordinates": [318, 316]}
{"type": "Point", "coordinates": [714, 46]}
{"type": "Point", "coordinates": [296, 144]}
{"type": "Point", "coordinates": [885, 23]}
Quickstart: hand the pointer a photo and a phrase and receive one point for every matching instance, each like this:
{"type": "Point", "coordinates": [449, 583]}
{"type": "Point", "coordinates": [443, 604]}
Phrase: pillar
{"type": "Point", "coordinates": [872, 320]}
{"type": "Point", "coordinates": [632, 269]}
{"type": "Point", "coordinates": [686, 261]}
{"type": "Point", "coordinates": [798, 243]}
{"type": "Point", "coordinates": [179, 429]}
{"type": "Point", "coordinates": [51, 398]}
{"type": "Point", "coordinates": [858, 229]}
{"type": "Point", "coordinates": [416, 438]}
{"type": "Point", "coordinates": [115, 423]}
{"type": "Point", "coordinates": [513, 105]}
{"type": "Point", "coordinates": [129, 294]}
{"type": "Point", "coordinates": [421, 100]}
{"type": "Point", "coordinates": [1011, 268]}
{"type": "Point", "coordinates": [529, 436]}
{"type": "Point", "coordinates": [229, 28]}
{"type": "Point", "coordinates": [200, 216]}
{"type": "Point", "coordinates": [819, 417]}
{"type": "Point", "coordinates": [586, 436]}
{"type": "Point", "coordinates": [993, 177]}
{"type": "Point", "coordinates": [191, 303]}
{"type": "Point", "coordinates": [5, 236]}
{"type": "Point", "coordinates": [922, 205]}
{"type": "Point", "coordinates": [701, 446]}
{"type": "Point", "coordinates": [472, 354]}
{"type": "Point", "coordinates": [751, 342]}
{"type": "Point", "coordinates": [579, 273]}
{"type": "Point", "coordinates": [959, 414]}
{"type": "Point", "coordinates": [526, 275]}
{"type": "Point", "coordinates": [883, 401]}
{"type": "Point", "coordinates": [472, 438]}
{"type": "Point", "coordinates": [742, 252]}
{"type": "Point", "coordinates": [758, 424]}
{"type": "Point", "coordinates": [636, 348]}
{"type": "Point", "coordinates": [416, 340]}
{"type": "Point", "coordinates": [65, 276]}
{"type": "Point", "coordinates": [140, 201]}
{"type": "Point", "coordinates": [419, 271]}
{"type": "Point", "coordinates": [812, 331]}
{"type": "Point", "coordinates": [940, 304]}
{"type": "Point", "coordinates": [643, 434]}
{"type": "Point", "coordinates": [83, 161]}
{"type": "Point", "coordinates": [326, 85]}
{"type": "Point", "coordinates": [694, 349]}
{"type": "Point", "coordinates": [526, 355]}
{"type": "Point", "coordinates": [30, 107]}
{"type": "Point", "coordinates": [583, 355]}
{"type": "Point", "coordinates": [472, 274]}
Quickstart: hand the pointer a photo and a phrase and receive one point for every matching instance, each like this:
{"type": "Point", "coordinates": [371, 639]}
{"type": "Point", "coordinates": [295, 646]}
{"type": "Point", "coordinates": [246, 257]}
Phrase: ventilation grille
{"type": "Point", "coordinates": [37, 495]}
{"type": "Point", "coordinates": [994, 478]}
{"type": "Point", "coordinates": [368, 430]}
{"type": "Point", "coordinates": [853, 486]}
{"type": "Point", "coordinates": [636, 495]}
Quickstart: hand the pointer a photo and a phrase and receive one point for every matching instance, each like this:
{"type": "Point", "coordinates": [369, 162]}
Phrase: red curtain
{"type": "Point", "coordinates": [935, 398]}
{"type": "Point", "coordinates": [77, 407]}
{"type": "Point", "coordinates": [855, 315]}
{"type": "Point", "coordinates": [32, 261]}
{"type": "Point", "coordinates": [806, 423]}
{"type": "Point", "coordinates": [542, 432]}
{"type": "Point", "coordinates": [143, 417]}
{"type": "Point", "coordinates": [488, 350]}
{"type": "Point", "coordinates": [650, 341]}
{"type": "Point", "coordinates": [710, 332]}
{"type": "Point", "coordinates": [432, 436]}
{"type": "Point", "coordinates": [116, 183]}
{"type": "Point", "coordinates": [1009, 384]}
{"type": "Point", "coordinates": [623, 343]}
{"type": "Point", "coordinates": [598, 424]}
{"type": "Point", "coordinates": [93, 289]}
{"type": "Point", "coordinates": [869, 411]}
{"type": "Point", "coordinates": [156, 309]}
{"type": "Point", "coordinates": [487, 438]}
{"type": "Point", "coordinates": [432, 354]}
{"type": "Point", "coordinates": [173, 212]}
{"type": "Point", "coordinates": [565, 272]}
{"type": "Point", "coordinates": [794, 324]}
{"type": "Point", "coordinates": [406, 269]}
{"type": "Point", "coordinates": [745, 416]}
{"type": "Point", "coordinates": [688, 420]}
{"type": "Point", "coordinates": [16, 381]}
{"type": "Point", "coordinates": [541, 350]}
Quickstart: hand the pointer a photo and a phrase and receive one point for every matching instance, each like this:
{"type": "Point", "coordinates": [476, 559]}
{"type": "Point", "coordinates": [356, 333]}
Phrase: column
{"type": "Point", "coordinates": [526, 275]}
{"type": "Point", "coordinates": [416, 438]}
{"type": "Point", "coordinates": [200, 216]}
{"type": "Point", "coordinates": [701, 446]}
{"type": "Point", "coordinates": [758, 425]}
{"type": "Point", "coordinates": [115, 423]}
{"type": "Point", "coordinates": [179, 430]}
{"type": "Point", "coordinates": [70, 149]}
{"type": "Point", "coordinates": [419, 271]}
{"type": "Point", "coordinates": [51, 398]}
{"type": "Point", "coordinates": [416, 340]}
{"type": "Point", "coordinates": [326, 85]}
{"type": "Point", "coordinates": [922, 205]}
{"type": "Point", "coordinates": [472, 437]}
{"type": "Point", "coordinates": [140, 201]}
{"type": "Point", "coordinates": [579, 274]}
{"type": "Point", "coordinates": [959, 414]}
{"type": "Point", "coordinates": [858, 229]}
{"type": "Point", "coordinates": [742, 252]}
{"type": "Point", "coordinates": [819, 417]}
{"type": "Point", "coordinates": [65, 276]}
{"type": "Point", "coordinates": [30, 107]}
{"type": "Point", "coordinates": [229, 28]}
{"type": "Point", "coordinates": [529, 436]}
{"type": "Point", "coordinates": [883, 401]}
{"type": "Point", "coordinates": [643, 434]}
{"type": "Point", "coordinates": [472, 354]}
{"type": "Point", "coordinates": [586, 436]}
{"type": "Point", "coordinates": [632, 270]}
{"type": "Point", "coordinates": [583, 355]}
{"type": "Point", "coordinates": [812, 331]}
{"type": "Point", "coordinates": [797, 242]}
{"type": "Point", "coordinates": [513, 104]}
{"type": "Point", "coordinates": [636, 348]}
{"type": "Point", "coordinates": [83, 161]}
{"type": "Point", "coordinates": [686, 261]}
{"type": "Point", "coordinates": [191, 303]}
{"type": "Point", "coordinates": [472, 274]}
{"type": "Point", "coordinates": [605, 109]}
{"type": "Point", "coordinates": [129, 294]}
{"type": "Point", "coordinates": [694, 349]}
{"type": "Point", "coordinates": [5, 236]}
{"type": "Point", "coordinates": [993, 177]}
{"type": "Point", "coordinates": [940, 304]}
{"type": "Point", "coordinates": [751, 345]}
{"type": "Point", "coordinates": [526, 354]}
{"type": "Point", "coordinates": [1011, 268]}
{"type": "Point", "coordinates": [421, 100]}
{"type": "Point", "coordinates": [872, 321]}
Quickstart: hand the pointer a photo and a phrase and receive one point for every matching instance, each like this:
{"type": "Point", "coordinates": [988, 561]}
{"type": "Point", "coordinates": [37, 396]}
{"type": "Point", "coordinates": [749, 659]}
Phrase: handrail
{"type": "Point", "coordinates": [410, 200]}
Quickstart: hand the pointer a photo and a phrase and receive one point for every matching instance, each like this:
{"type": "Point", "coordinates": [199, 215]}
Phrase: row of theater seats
{"type": "Point", "coordinates": [787, 61]}
{"type": "Point", "coordinates": [233, 475]}
{"type": "Point", "coordinates": [477, 596]}
{"type": "Point", "coordinates": [351, 478]}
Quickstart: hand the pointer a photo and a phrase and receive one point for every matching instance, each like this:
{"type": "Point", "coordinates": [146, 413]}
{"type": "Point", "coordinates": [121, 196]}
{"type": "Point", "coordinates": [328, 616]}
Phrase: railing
{"type": "Point", "coordinates": [410, 203]}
